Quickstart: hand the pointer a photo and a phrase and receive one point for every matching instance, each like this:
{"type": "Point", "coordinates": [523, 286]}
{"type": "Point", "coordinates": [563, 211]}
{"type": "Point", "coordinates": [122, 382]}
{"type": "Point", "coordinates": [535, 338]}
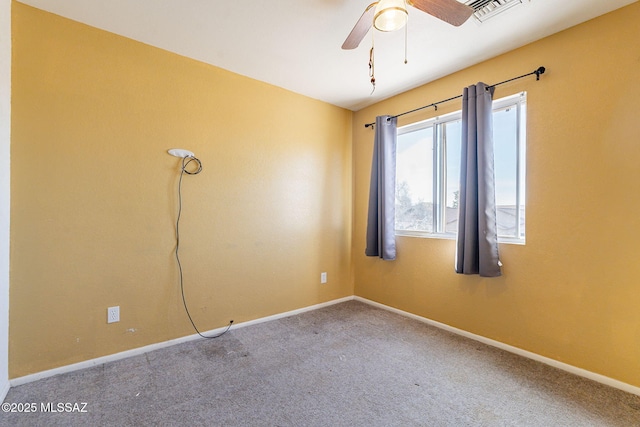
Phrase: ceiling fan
{"type": "Point", "coordinates": [391, 15]}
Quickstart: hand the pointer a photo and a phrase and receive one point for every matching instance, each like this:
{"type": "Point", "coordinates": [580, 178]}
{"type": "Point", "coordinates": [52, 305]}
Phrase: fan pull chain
{"type": "Point", "coordinates": [372, 71]}
{"type": "Point", "coordinates": [406, 26]}
{"type": "Point", "coordinates": [372, 67]}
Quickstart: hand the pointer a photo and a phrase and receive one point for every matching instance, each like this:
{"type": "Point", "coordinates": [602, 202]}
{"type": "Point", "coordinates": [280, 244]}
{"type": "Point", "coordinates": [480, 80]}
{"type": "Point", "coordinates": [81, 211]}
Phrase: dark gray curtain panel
{"type": "Point", "coordinates": [477, 241]}
{"type": "Point", "coordinates": [381, 239]}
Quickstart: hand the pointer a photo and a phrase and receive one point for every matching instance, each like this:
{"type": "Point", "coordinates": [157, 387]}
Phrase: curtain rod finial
{"type": "Point", "coordinates": [539, 71]}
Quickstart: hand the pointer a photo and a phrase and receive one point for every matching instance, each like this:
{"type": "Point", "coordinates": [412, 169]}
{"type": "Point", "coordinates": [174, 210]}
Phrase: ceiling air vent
{"type": "Point", "coordinates": [485, 9]}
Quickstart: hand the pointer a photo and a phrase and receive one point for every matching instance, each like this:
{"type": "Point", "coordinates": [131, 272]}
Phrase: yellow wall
{"type": "Point", "coordinates": [94, 200]}
{"type": "Point", "coordinates": [572, 293]}
{"type": "Point", "coordinates": [94, 195]}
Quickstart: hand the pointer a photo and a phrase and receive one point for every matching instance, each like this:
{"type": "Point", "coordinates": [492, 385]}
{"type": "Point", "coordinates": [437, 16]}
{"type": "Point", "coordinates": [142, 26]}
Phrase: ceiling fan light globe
{"type": "Point", "coordinates": [390, 15]}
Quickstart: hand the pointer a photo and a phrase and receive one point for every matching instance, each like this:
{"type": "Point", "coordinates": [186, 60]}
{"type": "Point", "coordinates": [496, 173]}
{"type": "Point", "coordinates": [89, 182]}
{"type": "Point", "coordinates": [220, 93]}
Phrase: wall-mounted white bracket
{"type": "Point", "coordinates": [179, 152]}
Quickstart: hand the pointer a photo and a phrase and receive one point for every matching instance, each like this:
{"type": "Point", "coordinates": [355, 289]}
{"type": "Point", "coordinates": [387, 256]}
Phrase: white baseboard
{"type": "Point", "coordinates": [4, 389]}
{"type": "Point", "coordinates": [141, 350]}
{"type": "Point", "coordinates": [543, 359]}
{"type": "Point", "coordinates": [294, 312]}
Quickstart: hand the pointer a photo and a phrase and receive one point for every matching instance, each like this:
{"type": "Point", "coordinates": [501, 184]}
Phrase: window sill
{"type": "Point", "coordinates": [451, 236]}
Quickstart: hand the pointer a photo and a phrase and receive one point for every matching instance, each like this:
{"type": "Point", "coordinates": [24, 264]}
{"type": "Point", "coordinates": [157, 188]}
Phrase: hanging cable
{"type": "Point", "coordinates": [186, 161]}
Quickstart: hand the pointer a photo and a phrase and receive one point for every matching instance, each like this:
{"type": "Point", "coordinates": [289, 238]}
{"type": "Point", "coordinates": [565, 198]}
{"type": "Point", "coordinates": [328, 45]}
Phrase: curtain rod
{"type": "Point", "coordinates": [537, 72]}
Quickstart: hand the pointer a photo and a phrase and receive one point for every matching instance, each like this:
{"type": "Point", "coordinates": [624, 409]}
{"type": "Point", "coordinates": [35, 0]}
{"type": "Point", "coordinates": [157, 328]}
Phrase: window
{"type": "Point", "coordinates": [428, 173]}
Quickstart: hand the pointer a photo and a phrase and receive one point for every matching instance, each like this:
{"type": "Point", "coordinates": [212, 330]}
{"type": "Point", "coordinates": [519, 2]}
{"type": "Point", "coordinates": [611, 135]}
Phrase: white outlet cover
{"type": "Point", "coordinates": [179, 152]}
{"type": "Point", "coordinates": [113, 314]}
{"type": "Point", "coordinates": [323, 277]}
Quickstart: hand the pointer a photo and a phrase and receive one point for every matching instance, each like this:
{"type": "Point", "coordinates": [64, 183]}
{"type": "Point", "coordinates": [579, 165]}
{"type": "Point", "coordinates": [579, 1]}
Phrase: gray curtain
{"type": "Point", "coordinates": [477, 242]}
{"type": "Point", "coordinates": [381, 240]}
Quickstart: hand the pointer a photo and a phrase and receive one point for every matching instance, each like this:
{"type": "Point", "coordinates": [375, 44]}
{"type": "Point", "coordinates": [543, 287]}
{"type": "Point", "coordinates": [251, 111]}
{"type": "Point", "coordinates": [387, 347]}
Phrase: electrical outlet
{"type": "Point", "coordinates": [113, 314]}
{"type": "Point", "coordinates": [323, 277]}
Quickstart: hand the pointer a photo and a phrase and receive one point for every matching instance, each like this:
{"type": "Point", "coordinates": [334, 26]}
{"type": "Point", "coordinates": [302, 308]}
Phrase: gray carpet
{"type": "Point", "coordinates": [345, 365]}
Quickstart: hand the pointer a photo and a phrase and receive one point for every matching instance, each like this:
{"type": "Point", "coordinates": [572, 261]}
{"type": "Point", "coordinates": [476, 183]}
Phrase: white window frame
{"type": "Point", "coordinates": [517, 101]}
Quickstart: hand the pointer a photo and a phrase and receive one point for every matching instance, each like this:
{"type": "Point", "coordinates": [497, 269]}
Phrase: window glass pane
{"type": "Point", "coordinates": [506, 161]}
{"type": "Point", "coordinates": [414, 181]}
{"type": "Point", "coordinates": [452, 174]}
{"type": "Point", "coordinates": [428, 172]}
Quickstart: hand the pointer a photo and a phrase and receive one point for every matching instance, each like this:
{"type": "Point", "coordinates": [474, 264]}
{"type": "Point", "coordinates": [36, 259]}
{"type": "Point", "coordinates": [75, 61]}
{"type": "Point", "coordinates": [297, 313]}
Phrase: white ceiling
{"type": "Point", "coordinates": [295, 44]}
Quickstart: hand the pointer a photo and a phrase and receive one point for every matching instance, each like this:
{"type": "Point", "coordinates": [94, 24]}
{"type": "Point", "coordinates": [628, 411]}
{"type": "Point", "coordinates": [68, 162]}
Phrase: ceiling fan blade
{"type": "Point", "coordinates": [450, 11]}
{"type": "Point", "coordinates": [361, 28]}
